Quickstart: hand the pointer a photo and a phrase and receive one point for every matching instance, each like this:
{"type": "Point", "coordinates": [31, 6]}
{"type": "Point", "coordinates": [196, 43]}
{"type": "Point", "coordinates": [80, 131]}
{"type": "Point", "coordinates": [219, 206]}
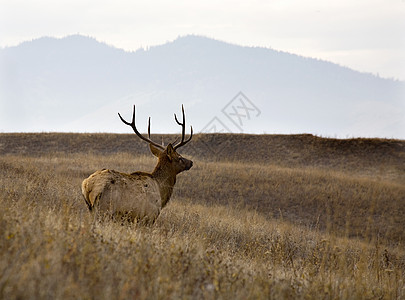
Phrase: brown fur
{"type": "Point", "coordinates": [138, 195]}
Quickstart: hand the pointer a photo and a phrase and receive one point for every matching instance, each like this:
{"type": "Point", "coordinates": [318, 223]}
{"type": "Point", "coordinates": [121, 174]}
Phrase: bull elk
{"type": "Point", "coordinates": [139, 195]}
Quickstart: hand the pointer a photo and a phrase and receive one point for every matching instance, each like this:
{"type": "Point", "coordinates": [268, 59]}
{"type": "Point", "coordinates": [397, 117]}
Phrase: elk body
{"type": "Point", "coordinates": [139, 195]}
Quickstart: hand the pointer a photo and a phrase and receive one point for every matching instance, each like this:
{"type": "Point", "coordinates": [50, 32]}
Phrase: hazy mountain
{"type": "Point", "coordinates": [79, 84]}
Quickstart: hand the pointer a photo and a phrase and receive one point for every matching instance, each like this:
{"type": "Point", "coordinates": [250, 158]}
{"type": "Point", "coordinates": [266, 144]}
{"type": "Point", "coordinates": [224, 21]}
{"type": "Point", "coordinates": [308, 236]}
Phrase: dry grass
{"type": "Point", "coordinates": [232, 230]}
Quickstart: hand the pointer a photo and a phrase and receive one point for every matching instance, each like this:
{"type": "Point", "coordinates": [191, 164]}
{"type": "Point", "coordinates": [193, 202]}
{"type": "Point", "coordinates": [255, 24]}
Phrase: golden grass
{"type": "Point", "coordinates": [232, 230]}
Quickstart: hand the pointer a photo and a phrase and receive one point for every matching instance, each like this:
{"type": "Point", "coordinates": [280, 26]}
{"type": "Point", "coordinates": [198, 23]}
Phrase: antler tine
{"type": "Point", "coordinates": [127, 123]}
{"type": "Point", "coordinates": [183, 129]}
{"type": "Point", "coordinates": [183, 125]}
{"type": "Point", "coordinates": [149, 127]}
{"type": "Point", "coordinates": [133, 126]}
{"type": "Point", "coordinates": [176, 140]}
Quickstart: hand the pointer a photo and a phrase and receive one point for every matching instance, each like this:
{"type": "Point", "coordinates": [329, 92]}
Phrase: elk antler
{"type": "Point", "coordinates": [183, 130]}
{"type": "Point", "coordinates": [132, 125]}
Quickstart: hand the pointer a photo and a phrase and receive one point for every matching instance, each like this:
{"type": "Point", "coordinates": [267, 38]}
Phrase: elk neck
{"type": "Point", "coordinates": [165, 176]}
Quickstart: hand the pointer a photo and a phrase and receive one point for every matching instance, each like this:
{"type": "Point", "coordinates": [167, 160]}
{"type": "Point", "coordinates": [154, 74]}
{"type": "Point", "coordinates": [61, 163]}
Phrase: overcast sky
{"type": "Point", "coordinates": [366, 35]}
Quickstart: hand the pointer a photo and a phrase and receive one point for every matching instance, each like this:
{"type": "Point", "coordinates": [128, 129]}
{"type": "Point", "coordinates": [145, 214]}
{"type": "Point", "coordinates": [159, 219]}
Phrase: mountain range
{"type": "Point", "coordinates": [78, 84]}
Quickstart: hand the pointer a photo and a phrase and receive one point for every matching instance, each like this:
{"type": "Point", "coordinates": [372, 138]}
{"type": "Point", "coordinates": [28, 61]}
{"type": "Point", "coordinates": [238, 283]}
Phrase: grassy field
{"type": "Point", "coordinates": [257, 217]}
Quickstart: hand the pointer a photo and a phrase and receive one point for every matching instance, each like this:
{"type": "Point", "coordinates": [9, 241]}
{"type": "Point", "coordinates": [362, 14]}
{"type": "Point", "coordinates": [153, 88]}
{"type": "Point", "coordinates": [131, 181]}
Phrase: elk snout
{"type": "Point", "coordinates": [188, 164]}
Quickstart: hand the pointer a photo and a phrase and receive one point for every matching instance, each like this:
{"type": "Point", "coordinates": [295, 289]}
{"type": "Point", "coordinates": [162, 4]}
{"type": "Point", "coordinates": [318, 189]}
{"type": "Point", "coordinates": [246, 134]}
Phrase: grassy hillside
{"type": "Point", "coordinates": [256, 217]}
{"type": "Point", "coordinates": [363, 156]}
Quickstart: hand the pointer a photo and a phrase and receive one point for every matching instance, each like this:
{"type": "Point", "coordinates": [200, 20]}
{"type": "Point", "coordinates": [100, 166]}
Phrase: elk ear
{"type": "Point", "coordinates": [169, 151]}
{"type": "Point", "coordinates": [155, 151]}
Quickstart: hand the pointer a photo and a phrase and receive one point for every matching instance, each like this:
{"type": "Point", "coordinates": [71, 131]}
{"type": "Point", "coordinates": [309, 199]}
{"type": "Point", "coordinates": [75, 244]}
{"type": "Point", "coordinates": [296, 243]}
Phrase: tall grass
{"type": "Point", "coordinates": [232, 230]}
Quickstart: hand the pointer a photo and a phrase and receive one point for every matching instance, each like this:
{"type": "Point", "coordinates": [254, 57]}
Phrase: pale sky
{"type": "Point", "coordinates": [365, 35]}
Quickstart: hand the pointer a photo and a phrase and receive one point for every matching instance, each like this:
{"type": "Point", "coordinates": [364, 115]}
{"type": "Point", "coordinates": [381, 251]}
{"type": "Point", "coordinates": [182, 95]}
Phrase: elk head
{"type": "Point", "coordinates": [169, 159]}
